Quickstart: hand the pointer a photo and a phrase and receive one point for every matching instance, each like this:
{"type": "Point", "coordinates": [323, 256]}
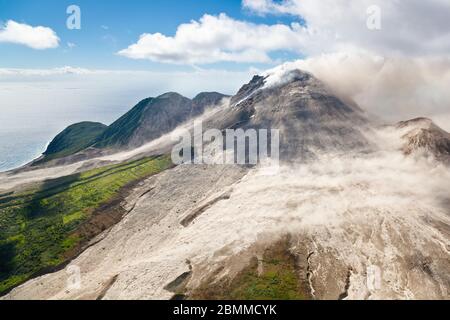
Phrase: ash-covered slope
{"type": "Point", "coordinates": [310, 118]}
{"type": "Point", "coordinates": [357, 228]}
{"type": "Point", "coordinates": [421, 134]}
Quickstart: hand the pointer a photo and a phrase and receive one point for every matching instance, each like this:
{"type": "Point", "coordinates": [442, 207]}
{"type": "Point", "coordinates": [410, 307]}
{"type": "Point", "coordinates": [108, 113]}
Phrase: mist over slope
{"type": "Point", "coordinates": [394, 88]}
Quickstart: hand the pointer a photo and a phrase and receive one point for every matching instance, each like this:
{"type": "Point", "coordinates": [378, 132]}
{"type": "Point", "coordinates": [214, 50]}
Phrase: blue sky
{"type": "Point", "coordinates": [110, 26]}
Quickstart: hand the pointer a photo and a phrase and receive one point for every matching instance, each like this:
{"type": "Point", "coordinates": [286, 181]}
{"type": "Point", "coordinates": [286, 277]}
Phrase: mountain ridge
{"type": "Point", "coordinates": [309, 117]}
{"type": "Point", "coordinates": [423, 134]}
{"type": "Point", "coordinates": [147, 120]}
{"type": "Point", "coordinates": [153, 117]}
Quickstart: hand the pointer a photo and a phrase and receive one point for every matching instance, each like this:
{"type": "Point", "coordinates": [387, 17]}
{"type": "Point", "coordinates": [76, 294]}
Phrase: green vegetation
{"type": "Point", "coordinates": [274, 278]}
{"type": "Point", "coordinates": [73, 139]}
{"type": "Point", "coordinates": [278, 281]}
{"type": "Point", "coordinates": [39, 228]}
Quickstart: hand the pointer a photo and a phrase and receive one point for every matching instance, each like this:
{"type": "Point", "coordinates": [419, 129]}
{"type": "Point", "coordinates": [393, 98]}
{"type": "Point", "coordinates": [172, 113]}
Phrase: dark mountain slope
{"type": "Point", "coordinates": [122, 129]}
{"type": "Point", "coordinates": [153, 117]}
{"type": "Point", "coordinates": [204, 100]}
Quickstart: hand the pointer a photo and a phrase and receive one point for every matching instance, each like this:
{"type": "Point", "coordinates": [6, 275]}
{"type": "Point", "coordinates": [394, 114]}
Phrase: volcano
{"type": "Point", "coordinates": [347, 216]}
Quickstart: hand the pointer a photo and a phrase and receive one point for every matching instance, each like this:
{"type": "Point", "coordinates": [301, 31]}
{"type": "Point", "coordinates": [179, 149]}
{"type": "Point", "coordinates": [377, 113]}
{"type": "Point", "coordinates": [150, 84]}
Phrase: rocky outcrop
{"type": "Point", "coordinates": [423, 135]}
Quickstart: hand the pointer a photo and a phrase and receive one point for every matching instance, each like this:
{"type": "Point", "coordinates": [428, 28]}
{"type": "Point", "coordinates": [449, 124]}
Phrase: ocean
{"type": "Point", "coordinates": [33, 113]}
{"type": "Point", "coordinates": [25, 137]}
{"type": "Point", "coordinates": [25, 132]}
{"type": "Point", "coordinates": [18, 148]}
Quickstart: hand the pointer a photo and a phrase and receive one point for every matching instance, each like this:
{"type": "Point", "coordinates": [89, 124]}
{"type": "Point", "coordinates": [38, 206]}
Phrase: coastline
{"type": "Point", "coordinates": [22, 164]}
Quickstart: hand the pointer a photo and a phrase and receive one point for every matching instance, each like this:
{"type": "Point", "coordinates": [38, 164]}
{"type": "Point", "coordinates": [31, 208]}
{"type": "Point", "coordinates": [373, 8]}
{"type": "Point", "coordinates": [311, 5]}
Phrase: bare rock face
{"type": "Point", "coordinates": [248, 89]}
{"type": "Point", "coordinates": [423, 135]}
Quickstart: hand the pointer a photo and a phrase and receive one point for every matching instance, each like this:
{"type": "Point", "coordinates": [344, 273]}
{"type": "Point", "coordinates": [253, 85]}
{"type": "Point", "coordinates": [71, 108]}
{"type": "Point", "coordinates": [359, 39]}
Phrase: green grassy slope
{"type": "Point", "coordinates": [120, 131]}
{"type": "Point", "coordinates": [38, 228]}
{"type": "Point", "coordinates": [73, 139]}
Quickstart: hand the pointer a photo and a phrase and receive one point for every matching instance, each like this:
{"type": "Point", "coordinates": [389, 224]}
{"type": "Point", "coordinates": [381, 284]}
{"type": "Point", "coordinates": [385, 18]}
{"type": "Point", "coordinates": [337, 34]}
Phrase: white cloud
{"type": "Point", "coordinates": [34, 37]}
{"type": "Point", "coordinates": [413, 27]}
{"type": "Point", "coordinates": [217, 38]}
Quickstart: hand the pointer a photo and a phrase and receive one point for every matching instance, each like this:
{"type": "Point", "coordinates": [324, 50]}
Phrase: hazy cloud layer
{"type": "Point", "coordinates": [34, 37]}
{"type": "Point", "coordinates": [54, 98]}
